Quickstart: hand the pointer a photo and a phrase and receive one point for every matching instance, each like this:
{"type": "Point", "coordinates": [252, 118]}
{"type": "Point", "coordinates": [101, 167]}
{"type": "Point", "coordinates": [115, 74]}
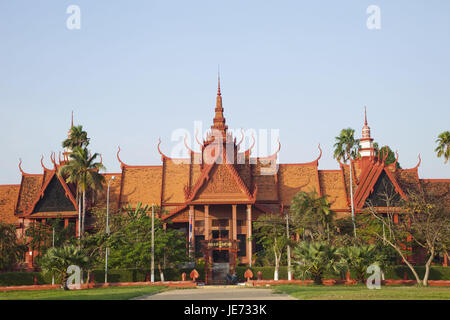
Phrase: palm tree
{"type": "Point", "coordinates": [346, 149]}
{"type": "Point", "coordinates": [84, 172]}
{"type": "Point", "coordinates": [358, 258]}
{"type": "Point", "coordinates": [316, 258]}
{"type": "Point", "coordinates": [58, 259]}
{"type": "Point", "coordinates": [443, 148]}
{"type": "Point", "coordinates": [139, 211]}
{"type": "Point", "coordinates": [77, 138]}
{"type": "Point", "coordinates": [312, 214]}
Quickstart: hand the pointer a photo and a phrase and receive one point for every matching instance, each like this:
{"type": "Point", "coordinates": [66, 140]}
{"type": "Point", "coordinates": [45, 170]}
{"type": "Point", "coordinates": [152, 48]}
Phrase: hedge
{"type": "Point", "coordinates": [135, 275]}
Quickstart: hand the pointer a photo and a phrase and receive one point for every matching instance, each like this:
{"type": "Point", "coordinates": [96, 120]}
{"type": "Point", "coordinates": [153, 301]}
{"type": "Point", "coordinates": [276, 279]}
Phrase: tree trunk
{"type": "Point", "coordinates": [84, 213]}
{"type": "Point", "coordinates": [427, 269]}
{"type": "Point", "coordinates": [351, 197]}
{"type": "Point", "coordinates": [407, 263]}
{"type": "Point", "coordinates": [161, 273]}
{"type": "Point", "coordinates": [277, 265]}
{"type": "Point", "coordinates": [64, 278]}
{"type": "Point", "coordinates": [79, 218]}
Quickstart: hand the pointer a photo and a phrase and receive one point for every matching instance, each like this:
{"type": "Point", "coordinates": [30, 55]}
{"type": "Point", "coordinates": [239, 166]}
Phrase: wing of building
{"type": "Point", "coordinates": [217, 192]}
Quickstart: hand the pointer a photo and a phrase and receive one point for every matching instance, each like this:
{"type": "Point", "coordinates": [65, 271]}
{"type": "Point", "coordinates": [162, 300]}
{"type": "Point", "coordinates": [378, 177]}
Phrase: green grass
{"type": "Point", "coordinates": [360, 292]}
{"type": "Point", "coordinates": [111, 293]}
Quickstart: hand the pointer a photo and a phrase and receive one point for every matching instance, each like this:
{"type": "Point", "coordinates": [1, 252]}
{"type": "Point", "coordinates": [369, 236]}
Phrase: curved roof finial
{"type": "Point", "coordinates": [42, 163]}
{"type": "Point", "coordinates": [247, 152]}
{"type": "Point", "coordinates": [396, 159]}
{"type": "Point", "coordinates": [320, 154]}
{"type": "Point", "coordinates": [118, 158]}
{"type": "Point", "coordinates": [52, 158]}
{"type": "Point", "coordinates": [418, 164]}
{"type": "Point", "coordinates": [20, 167]}
{"type": "Point", "coordinates": [101, 158]}
{"type": "Point", "coordinates": [159, 150]}
{"type": "Point", "coordinates": [196, 139]}
{"type": "Point", "coordinates": [242, 138]}
{"type": "Point", "coordinates": [385, 155]}
{"type": "Point", "coordinates": [185, 144]}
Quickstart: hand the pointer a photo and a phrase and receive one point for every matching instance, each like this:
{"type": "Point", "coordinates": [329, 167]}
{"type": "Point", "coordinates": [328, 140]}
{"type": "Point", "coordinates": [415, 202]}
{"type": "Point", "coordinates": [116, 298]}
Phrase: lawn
{"type": "Point", "coordinates": [360, 292]}
{"type": "Point", "coordinates": [111, 293]}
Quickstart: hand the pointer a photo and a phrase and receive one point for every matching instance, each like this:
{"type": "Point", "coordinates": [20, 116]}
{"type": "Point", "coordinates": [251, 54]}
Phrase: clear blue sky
{"type": "Point", "coordinates": [137, 70]}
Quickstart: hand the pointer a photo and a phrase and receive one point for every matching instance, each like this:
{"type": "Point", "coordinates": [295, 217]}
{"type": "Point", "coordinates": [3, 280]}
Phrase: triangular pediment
{"type": "Point", "coordinates": [222, 184]}
{"type": "Point", "coordinates": [384, 193]}
{"type": "Point", "coordinates": [55, 197]}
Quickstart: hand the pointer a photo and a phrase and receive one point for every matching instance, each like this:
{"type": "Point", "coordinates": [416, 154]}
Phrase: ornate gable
{"type": "Point", "coordinates": [384, 193]}
{"type": "Point", "coordinates": [55, 196]}
{"type": "Point", "coordinates": [221, 183]}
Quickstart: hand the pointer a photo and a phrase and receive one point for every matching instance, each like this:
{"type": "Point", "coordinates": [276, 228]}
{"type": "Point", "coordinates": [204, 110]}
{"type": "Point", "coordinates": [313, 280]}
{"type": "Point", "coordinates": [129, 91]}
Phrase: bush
{"type": "Point", "coordinates": [137, 275]}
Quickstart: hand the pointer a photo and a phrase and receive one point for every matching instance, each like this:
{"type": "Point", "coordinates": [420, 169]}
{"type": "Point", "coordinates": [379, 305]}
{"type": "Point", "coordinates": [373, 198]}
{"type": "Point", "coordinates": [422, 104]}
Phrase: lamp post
{"type": "Point", "coordinates": [152, 279]}
{"type": "Point", "coordinates": [107, 229]}
{"type": "Point", "coordinates": [53, 245]}
{"type": "Point", "coordinates": [288, 248]}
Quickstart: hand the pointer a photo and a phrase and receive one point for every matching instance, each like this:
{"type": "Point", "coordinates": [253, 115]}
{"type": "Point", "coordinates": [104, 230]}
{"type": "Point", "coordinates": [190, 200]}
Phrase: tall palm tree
{"type": "Point", "coordinates": [84, 173]}
{"type": "Point", "coordinates": [77, 138]}
{"type": "Point", "coordinates": [346, 148]}
{"type": "Point", "coordinates": [443, 148]}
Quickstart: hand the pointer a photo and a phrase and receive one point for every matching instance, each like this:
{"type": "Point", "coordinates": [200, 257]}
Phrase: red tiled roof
{"type": "Point", "coordinates": [8, 198]}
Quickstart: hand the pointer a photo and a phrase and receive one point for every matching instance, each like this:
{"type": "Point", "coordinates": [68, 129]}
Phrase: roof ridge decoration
{"type": "Point", "coordinates": [249, 150]}
{"type": "Point", "coordinates": [395, 162]}
{"type": "Point", "coordinates": [273, 155]}
{"type": "Point", "coordinates": [42, 164]}
{"type": "Point", "coordinates": [20, 168]}
{"type": "Point", "coordinates": [122, 165]}
{"type": "Point", "coordinates": [52, 158]}
{"type": "Point", "coordinates": [199, 143]}
{"type": "Point", "coordinates": [187, 147]}
{"type": "Point", "coordinates": [242, 139]}
{"type": "Point", "coordinates": [205, 176]}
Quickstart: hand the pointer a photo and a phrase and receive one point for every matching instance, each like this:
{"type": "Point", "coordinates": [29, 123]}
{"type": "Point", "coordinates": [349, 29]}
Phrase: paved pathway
{"type": "Point", "coordinates": [218, 293]}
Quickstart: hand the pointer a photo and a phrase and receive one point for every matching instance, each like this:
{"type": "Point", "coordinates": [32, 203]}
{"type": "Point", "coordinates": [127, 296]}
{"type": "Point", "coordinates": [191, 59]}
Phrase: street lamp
{"type": "Point", "coordinates": [107, 229]}
{"type": "Point", "coordinates": [153, 244]}
{"type": "Point", "coordinates": [288, 248]}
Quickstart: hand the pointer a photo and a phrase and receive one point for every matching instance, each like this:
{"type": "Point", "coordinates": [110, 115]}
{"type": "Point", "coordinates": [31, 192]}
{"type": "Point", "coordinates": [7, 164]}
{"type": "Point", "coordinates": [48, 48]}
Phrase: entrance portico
{"type": "Point", "coordinates": [226, 231]}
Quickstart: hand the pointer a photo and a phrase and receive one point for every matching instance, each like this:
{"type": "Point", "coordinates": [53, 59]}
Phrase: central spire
{"type": "Point", "coordinates": [219, 119]}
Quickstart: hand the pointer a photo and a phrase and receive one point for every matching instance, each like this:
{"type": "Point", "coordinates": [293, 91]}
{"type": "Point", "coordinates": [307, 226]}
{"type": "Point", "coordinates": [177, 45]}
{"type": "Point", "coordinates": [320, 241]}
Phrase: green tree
{"type": "Point", "coordinates": [44, 235]}
{"type": "Point", "coordinates": [77, 138]}
{"type": "Point", "coordinates": [270, 232]}
{"type": "Point", "coordinates": [83, 171]}
{"type": "Point", "coordinates": [357, 259]}
{"type": "Point", "coordinates": [316, 258]}
{"type": "Point", "coordinates": [131, 246]}
{"type": "Point", "coordinates": [423, 220]}
{"type": "Point", "coordinates": [311, 215]}
{"type": "Point", "coordinates": [443, 148]}
{"type": "Point", "coordinates": [11, 249]}
{"type": "Point", "coordinates": [58, 259]}
{"type": "Point", "coordinates": [346, 148]}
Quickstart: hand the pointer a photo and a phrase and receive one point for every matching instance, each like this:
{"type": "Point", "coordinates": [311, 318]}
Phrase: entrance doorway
{"type": "Point", "coordinates": [220, 266]}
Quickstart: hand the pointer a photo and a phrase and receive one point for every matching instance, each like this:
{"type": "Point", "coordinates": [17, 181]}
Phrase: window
{"type": "Point", "coordinates": [242, 245]}
{"type": "Point", "coordinates": [198, 245]}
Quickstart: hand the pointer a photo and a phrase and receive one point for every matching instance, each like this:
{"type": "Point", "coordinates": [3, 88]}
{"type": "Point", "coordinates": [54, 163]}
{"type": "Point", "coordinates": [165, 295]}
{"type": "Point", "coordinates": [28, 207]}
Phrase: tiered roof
{"type": "Point", "coordinates": [177, 183]}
